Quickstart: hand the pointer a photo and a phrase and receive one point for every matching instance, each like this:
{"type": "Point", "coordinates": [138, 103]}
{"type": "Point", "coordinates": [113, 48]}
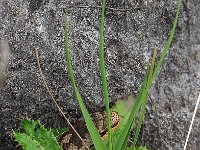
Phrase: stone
{"type": "Point", "coordinates": [132, 30]}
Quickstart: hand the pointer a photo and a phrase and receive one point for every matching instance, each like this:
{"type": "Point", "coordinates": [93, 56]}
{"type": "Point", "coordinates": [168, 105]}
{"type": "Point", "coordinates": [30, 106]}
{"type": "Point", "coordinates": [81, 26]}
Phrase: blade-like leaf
{"type": "Point", "coordinates": [96, 138]}
{"type": "Point", "coordinates": [122, 141]}
{"type": "Point", "coordinates": [152, 63]}
{"type": "Point", "coordinates": [143, 108]}
{"type": "Point", "coordinates": [167, 45]}
{"type": "Point", "coordinates": [103, 76]}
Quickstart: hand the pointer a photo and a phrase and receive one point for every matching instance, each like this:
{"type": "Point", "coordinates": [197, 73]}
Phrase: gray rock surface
{"type": "Point", "coordinates": [132, 30]}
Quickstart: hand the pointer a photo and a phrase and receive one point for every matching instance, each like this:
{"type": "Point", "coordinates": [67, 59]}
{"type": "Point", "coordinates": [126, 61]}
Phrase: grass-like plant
{"type": "Point", "coordinates": [36, 137]}
{"type": "Point", "coordinates": [121, 141]}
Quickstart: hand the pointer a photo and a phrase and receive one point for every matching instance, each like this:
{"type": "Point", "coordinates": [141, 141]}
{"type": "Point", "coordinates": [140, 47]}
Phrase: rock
{"type": "Point", "coordinates": [132, 30]}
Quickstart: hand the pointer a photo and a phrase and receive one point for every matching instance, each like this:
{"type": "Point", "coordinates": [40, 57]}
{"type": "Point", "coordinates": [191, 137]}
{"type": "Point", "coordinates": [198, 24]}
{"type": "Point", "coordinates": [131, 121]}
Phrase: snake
{"type": "Point", "coordinates": [70, 140]}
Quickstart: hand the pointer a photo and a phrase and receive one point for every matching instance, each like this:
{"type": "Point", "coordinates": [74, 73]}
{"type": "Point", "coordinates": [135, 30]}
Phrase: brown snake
{"type": "Point", "coordinates": [70, 141]}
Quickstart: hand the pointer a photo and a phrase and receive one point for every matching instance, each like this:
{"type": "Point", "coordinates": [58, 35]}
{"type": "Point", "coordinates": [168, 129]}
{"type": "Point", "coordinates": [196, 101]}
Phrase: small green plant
{"type": "Point", "coordinates": [36, 136]}
{"type": "Point", "coordinates": [120, 142]}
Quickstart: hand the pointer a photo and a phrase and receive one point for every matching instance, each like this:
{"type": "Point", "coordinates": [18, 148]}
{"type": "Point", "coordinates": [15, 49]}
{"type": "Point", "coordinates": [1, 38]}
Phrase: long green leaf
{"type": "Point", "coordinates": [121, 143]}
{"type": "Point", "coordinates": [96, 138]}
{"type": "Point", "coordinates": [103, 76]}
{"type": "Point", "coordinates": [143, 107]}
{"type": "Point", "coordinates": [168, 43]}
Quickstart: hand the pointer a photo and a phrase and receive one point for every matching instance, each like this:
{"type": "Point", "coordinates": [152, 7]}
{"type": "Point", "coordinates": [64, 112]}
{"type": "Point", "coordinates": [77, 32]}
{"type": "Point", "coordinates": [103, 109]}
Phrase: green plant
{"type": "Point", "coordinates": [121, 141]}
{"type": "Point", "coordinates": [36, 137]}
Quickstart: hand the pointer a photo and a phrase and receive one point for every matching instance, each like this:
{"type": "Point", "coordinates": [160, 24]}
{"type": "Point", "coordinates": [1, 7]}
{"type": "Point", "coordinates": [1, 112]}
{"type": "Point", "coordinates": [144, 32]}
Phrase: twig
{"type": "Point", "coordinates": [51, 95]}
{"type": "Point", "coordinates": [195, 110]}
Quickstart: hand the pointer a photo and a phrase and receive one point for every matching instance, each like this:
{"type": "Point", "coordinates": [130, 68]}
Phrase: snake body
{"type": "Point", "coordinates": [70, 140]}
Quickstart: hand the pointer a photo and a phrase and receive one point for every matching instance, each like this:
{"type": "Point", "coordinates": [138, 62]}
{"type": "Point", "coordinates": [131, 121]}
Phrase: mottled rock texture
{"type": "Point", "coordinates": [133, 28]}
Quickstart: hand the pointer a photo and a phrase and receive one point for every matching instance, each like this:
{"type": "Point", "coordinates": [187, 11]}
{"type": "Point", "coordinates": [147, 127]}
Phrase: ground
{"type": "Point", "coordinates": [132, 30]}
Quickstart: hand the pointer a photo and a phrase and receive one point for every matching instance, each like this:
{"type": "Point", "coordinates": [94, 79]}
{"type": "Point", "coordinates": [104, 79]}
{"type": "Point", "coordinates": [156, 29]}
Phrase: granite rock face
{"type": "Point", "coordinates": [132, 30]}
